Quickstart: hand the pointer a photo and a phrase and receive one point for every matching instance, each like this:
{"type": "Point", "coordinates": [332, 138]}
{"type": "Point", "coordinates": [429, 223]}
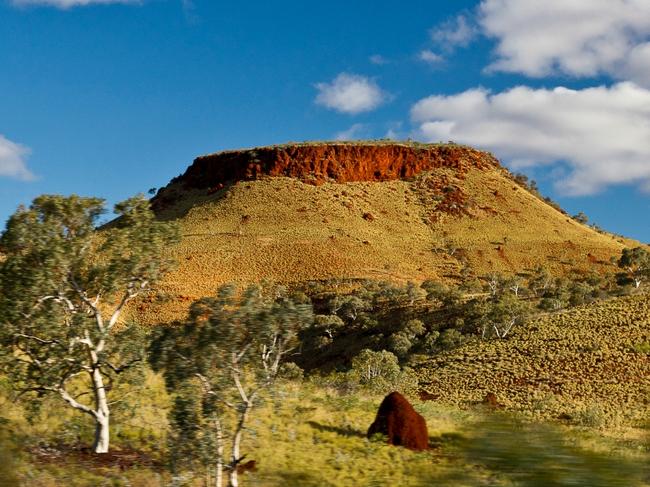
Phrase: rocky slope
{"type": "Point", "coordinates": [324, 163]}
{"type": "Point", "coordinates": [389, 211]}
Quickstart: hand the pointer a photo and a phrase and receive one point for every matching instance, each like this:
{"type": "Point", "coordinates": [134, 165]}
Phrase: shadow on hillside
{"type": "Point", "coordinates": [174, 201]}
{"type": "Point", "coordinates": [347, 431]}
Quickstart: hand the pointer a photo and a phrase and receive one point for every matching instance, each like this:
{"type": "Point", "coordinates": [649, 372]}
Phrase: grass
{"type": "Point", "coordinates": [309, 435]}
{"type": "Point", "coordinates": [283, 230]}
{"type": "Point", "coordinates": [582, 365]}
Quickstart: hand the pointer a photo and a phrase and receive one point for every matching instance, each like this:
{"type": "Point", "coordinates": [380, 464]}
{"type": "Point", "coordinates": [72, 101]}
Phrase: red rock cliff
{"type": "Point", "coordinates": [335, 162]}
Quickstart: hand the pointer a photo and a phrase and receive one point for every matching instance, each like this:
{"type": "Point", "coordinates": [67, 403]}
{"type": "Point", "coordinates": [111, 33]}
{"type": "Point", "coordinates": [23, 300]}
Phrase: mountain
{"type": "Point", "coordinates": [380, 210]}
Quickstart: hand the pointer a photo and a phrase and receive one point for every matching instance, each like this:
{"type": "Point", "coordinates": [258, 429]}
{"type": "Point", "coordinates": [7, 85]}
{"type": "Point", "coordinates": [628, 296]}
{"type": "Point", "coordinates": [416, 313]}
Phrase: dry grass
{"type": "Point", "coordinates": [583, 365]}
{"type": "Point", "coordinates": [310, 436]}
{"type": "Point", "coordinates": [283, 230]}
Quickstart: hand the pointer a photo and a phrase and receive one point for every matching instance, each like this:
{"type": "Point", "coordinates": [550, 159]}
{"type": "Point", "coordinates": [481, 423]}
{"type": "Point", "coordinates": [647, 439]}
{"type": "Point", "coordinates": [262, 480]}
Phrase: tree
{"type": "Point", "coordinates": [229, 354]}
{"type": "Point", "coordinates": [636, 262]}
{"type": "Point", "coordinates": [581, 218]}
{"type": "Point", "coordinates": [378, 370]}
{"type": "Point", "coordinates": [540, 281]}
{"type": "Point", "coordinates": [63, 289]}
{"type": "Point", "coordinates": [497, 316]}
{"type": "Point", "coordinates": [349, 307]}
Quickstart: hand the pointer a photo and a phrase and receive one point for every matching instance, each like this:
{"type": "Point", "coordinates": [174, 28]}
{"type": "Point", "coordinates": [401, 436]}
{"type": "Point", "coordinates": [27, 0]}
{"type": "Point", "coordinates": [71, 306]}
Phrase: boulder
{"type": "Point", "coordinates": [400, 423]}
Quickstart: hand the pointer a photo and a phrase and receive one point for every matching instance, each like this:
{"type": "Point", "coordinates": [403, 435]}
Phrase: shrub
{"type": "Point", "coordinates": [369, 366]}
{"type": "Point", "coordinates": [450, 339]}
{"type": "Point", "coordinates": [291, 371]}
{"type": "Point", "coordinates": [400, 344]}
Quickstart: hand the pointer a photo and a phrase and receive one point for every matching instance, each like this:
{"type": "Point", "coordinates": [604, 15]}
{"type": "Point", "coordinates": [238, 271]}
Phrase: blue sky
{"type": "Point", "coordinates": [112, 98]}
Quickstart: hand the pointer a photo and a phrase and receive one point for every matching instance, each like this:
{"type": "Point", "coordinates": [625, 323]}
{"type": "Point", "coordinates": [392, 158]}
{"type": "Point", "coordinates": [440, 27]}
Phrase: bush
{"type": "Point", "coordinates": [400, 344]}
{"type": "Point", "coordinates": [369, 366]}
{"type": "Point", "coordinates": [291, 371]}
{"type": "Point", "coordinates": [450, 339]}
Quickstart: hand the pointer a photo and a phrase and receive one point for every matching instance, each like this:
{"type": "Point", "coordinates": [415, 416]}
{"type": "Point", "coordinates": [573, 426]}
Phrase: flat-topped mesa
{"type": "Point", "coordinates": [331, 162]}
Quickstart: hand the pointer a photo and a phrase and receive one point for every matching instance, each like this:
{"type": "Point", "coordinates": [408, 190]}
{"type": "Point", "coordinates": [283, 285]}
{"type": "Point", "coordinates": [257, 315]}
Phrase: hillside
{"type": "Point", "coordinates": [587, 364]}
{"type": "Point", "coordinates": [388, 211]}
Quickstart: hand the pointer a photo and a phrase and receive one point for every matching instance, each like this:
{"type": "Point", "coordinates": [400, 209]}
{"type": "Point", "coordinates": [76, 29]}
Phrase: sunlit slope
{"type": "Point", "coordinates": [425, 225]}
{"type": "Point", "coordinates": [590, 363]}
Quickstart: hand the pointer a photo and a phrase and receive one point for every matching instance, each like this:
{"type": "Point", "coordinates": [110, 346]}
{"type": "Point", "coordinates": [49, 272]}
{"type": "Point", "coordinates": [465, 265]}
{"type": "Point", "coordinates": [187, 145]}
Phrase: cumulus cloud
{"type": "Point", "coordinates": [430, 57]}
{"type": "Point", "coordinates": [457, 32]}
{"type": "Point", "coordinates": [64, 4]}
{"type": "Point", "coordinates": [350, 93]}
{"type": "Point", "coordinates": [576, 37]}
{"type": "Point", "coordinates": [637, 66]}
{"type": "Point", "coordinates": [12, 160]}
{"type": "Point", "coordinates": [601, 134]}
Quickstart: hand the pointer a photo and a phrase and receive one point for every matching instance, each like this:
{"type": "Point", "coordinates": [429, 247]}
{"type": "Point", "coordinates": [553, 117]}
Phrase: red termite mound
{"type": "Point", "coordinates": [403, 426]}
{"type": "Point", "coordinates": [335, 162]}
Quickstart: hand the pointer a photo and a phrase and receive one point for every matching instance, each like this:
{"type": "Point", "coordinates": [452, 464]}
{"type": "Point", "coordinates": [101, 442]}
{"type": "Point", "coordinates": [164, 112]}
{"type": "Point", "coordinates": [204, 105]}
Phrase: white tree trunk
{"type": "Point", "coordinates": [102, 435]}
{"type": "Point", "coordinates": [233, 480]}
{"type": "Point", "coordinates": [102, 414]}
{"type": "Point", "coordinates": [219, 463]}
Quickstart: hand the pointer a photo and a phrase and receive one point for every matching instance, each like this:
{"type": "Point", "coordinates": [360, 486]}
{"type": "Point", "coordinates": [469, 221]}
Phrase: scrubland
{"type": "Point", "coordinates": [572, 390]}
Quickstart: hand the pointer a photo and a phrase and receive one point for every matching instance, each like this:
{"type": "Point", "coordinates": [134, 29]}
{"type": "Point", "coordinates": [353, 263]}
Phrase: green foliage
{"type": "Point", "coordinates": [221, 363]}
{"type": "Point", "coordinates": [449, 339]}
{"type": "Point", "coordinates": [63, 287]}
{"type": "Point", "coordinates": [227, 323]}
{"type": "Point", "coordinates": [9, 456]}
{"type": "Point", "coordinates": [291, 372]}
{"type": "Point", "coordinates": [581, 218]}
{"type": "Point", "coordinates": [370, 366]}
{"type": "Point", "coordinates": [636, 263]}
{"type": "Point", "coordinates": [642, 347]}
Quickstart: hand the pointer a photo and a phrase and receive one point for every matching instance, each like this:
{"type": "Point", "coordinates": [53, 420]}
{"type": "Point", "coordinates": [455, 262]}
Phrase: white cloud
{"type": "Point", "coordinates": [355, 132]}
{"type": "Point", "coordinates": [430, 57]}
{"type": "Point", "coordinates": [602, 134]}
{"type": "Point", "coordinates": [574, 37]}
{"type": "Point", "coordinates": [12, 160]}
{"type": "Point", "coordinates": [457, 32]}
{"type": "Point", "coordinates": [638, 64]}
{"type": "Point", "coordinates": [378, 59]}
{"type": "Point", "coordinates": [64, 4]}
{"type": "Point", "coordinates": [350, 93]}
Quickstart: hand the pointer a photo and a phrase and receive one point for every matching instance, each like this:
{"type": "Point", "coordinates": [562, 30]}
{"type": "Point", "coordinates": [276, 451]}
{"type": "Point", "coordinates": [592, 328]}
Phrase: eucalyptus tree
{"type": "Point", "coordinates": [228, 354]}
{"type": "Point", "coordinates": [64, 287]}
{"type": "Point", "coordinates": [636, 263]}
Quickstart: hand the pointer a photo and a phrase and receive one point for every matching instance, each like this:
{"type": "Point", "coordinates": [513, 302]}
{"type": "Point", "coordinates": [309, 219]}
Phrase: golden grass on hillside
{"type": "Point", "coordinates": [284, 230]}
{"type": "Point", "coordinates": [586, 365]}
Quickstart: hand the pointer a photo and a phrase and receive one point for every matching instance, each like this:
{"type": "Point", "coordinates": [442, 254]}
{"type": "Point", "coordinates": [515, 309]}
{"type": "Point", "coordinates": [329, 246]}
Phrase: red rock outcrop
{"type": "Point", "coordinates": [402, 424]}
{"type": "Point", "coordinates": [336, 162]}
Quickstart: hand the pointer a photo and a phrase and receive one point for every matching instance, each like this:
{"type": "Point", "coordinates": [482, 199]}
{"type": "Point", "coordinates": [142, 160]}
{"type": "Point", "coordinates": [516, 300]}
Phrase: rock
{"type": "Point", "coordinates": [319, 163]}
{"type": "Point", "coordinates": [403, 426]}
